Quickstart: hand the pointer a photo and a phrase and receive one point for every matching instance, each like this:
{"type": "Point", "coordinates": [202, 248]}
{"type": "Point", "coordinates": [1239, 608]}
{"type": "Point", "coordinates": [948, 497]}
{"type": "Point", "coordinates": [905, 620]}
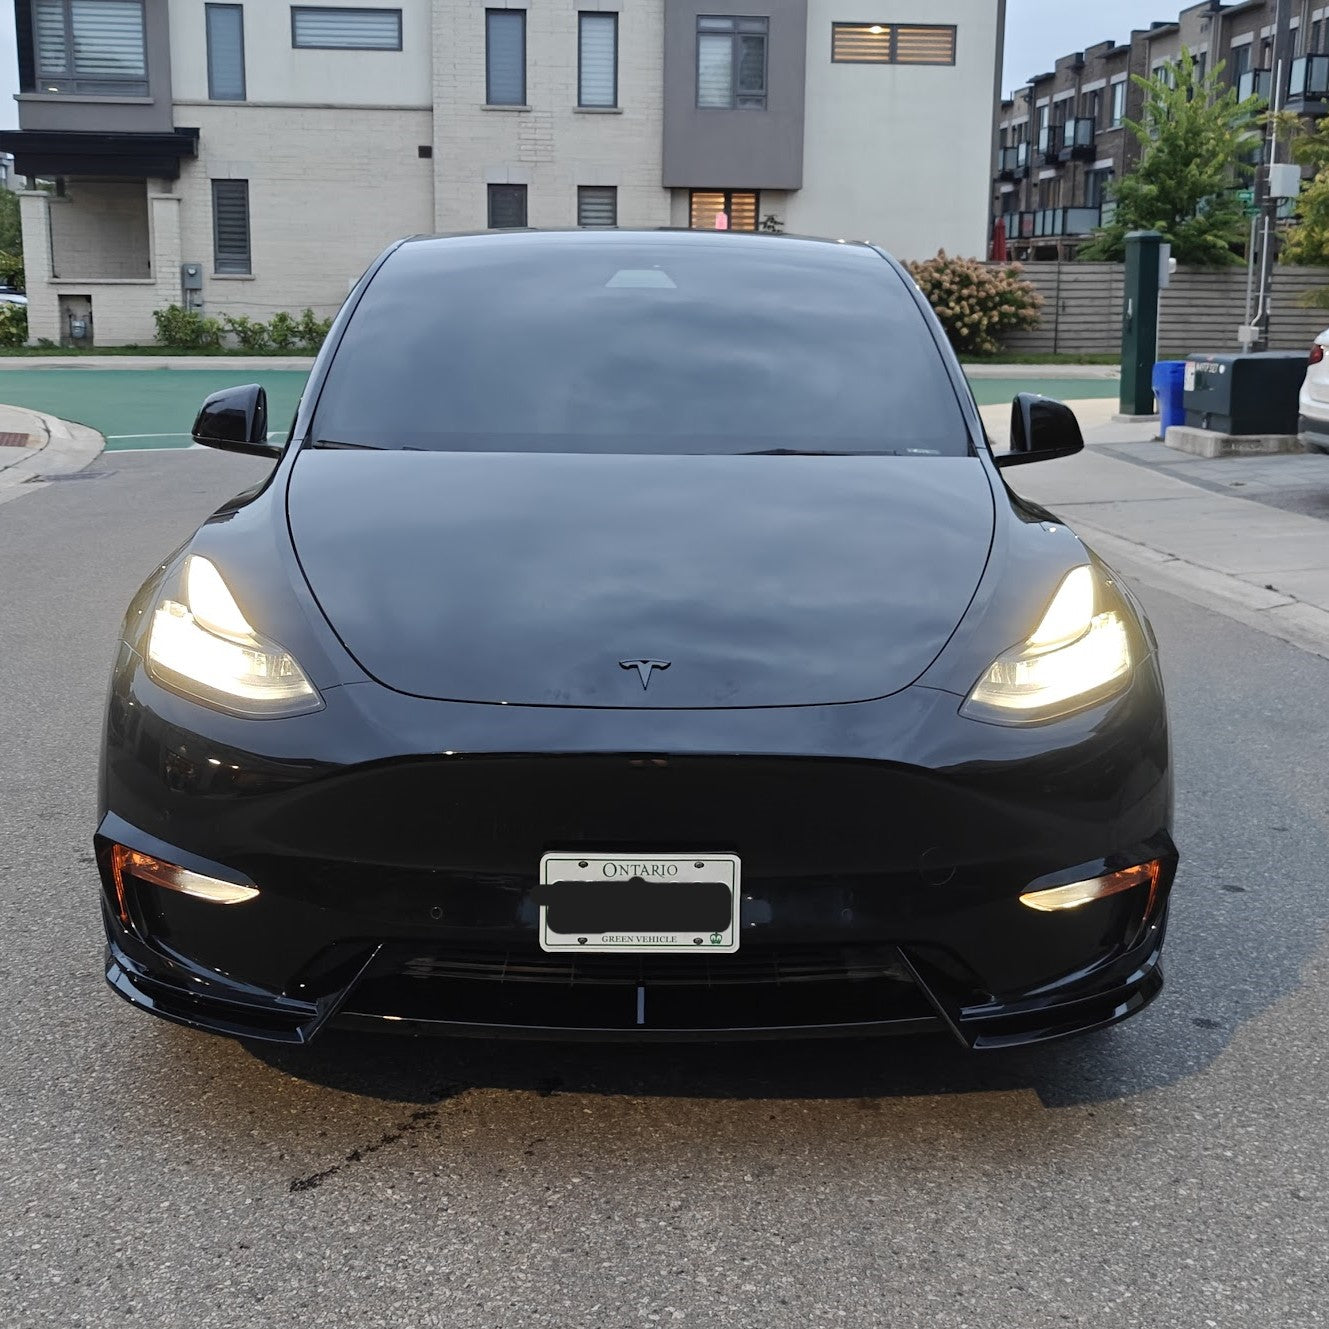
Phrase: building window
{"type": "Point", "coordinates": [1092, 107]}
{"type": "Point", "coordinates": [1118, 104]}
{"type": "Point", "coordinates": [1241, 60]}
{"type": "Point", "coordinates": [90, 47]}
{"type": "Point", "coordinates": [505, 57]}
{"type": "Point", "coordinates": [892, 44]}
{"type": "Point", "coordinates": [597, 60]}
{"type": "Point", "coordinates": [1096, 185]}
{"type": "Point", "coordinates": [740, 208]}
{"type": "Point", "coordinates": [345, 29]}
{"type": "Point", "coordinates": [597, 206]}
{"type": "Point", "coordinates": [507, 207]}
{"type": "Point", "coordinates": [731, 63]}
{"type": "Point", "coordinates": [226, 52]}
{"type": "Point", "coordinates": [230, 226]}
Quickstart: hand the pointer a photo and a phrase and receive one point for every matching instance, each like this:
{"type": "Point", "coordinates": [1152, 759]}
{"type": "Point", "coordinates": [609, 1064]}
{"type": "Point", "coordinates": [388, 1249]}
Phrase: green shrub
{"type": "Point", "coordinates": [186, 329]}
{"type": "Point", "coordinates": [283, 332]}
{"type": "Point", "coordinates": [250, 334]}
{"type": "Point", "coordinates": [11, 268]}
{"type": "Point", "coordinates": [977, 304]}
{"type": "Point", "coordinates": [313, 331]}
{"type": "Point", "coordinates": [13, 325]}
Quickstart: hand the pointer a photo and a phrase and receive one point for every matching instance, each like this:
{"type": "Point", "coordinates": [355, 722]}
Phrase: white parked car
{"type": "Point", "coordinates": [11, 295]}
{"type": "Point", "coordinates": [1314, 406]}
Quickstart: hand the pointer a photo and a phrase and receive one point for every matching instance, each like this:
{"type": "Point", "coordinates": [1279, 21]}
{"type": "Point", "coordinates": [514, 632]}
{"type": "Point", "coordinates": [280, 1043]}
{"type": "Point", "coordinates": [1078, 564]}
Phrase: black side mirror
{"type": "Point", "coordinates": [236, 420]}
{"type": "Point", "coordinates": [1041, 430]}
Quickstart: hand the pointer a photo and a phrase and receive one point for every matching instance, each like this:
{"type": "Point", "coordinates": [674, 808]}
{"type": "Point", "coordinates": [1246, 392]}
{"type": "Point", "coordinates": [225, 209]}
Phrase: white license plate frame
{"type": "Point", "coordinates": [660, 868]}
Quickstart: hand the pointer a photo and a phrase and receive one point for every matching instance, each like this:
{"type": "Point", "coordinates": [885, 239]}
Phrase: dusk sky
{"type": "Point", "coordinates": [1038, 31]}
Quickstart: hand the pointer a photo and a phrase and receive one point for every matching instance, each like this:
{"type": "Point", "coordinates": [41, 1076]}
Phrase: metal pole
{"type": "Point", "coordinates": [1269, 204]}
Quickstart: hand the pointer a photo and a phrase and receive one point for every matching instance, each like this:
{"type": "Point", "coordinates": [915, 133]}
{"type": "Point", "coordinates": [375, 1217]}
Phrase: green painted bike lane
{"type": "Point", "coordinates": [143, 408]}
{"type": "Point", "coordinates": [155, 408]}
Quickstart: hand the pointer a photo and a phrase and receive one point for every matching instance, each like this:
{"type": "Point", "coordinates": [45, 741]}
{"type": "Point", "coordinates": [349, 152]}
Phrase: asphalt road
{"type": "Point", "coordinates": [1168, 1172]}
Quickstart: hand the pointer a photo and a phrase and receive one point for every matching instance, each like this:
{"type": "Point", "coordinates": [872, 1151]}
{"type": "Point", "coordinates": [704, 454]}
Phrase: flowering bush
{"type": "Point", "coordinates": [977, 303]}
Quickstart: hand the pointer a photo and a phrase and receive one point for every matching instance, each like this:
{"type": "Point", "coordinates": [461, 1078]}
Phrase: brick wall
{"type": "Point", "coordinates": [100, 229]}
{"type": "Point", "coordinates": [552, 148]}
{"type": "Point", "coordinates": [328, 190]}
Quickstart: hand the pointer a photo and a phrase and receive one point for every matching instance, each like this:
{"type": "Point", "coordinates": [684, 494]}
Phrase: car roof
{"type": "Point", "coordinates": [811, 249]}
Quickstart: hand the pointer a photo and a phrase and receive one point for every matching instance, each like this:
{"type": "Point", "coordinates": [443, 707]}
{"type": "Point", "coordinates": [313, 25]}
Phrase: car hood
{"type": "Point", "coordinates": [532, 579]}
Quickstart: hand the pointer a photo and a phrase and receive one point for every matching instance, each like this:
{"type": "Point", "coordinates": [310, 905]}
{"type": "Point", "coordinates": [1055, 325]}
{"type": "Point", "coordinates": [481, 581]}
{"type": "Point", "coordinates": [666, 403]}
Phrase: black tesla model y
{"type": "Point", "coordinates": [636, 639]}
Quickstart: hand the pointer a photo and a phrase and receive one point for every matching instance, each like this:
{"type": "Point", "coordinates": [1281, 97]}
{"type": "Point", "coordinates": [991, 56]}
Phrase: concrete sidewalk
{"type": "Point", "coordinates": [1258, 563]}
{"type": "Point", "coordinates": [53, 449]}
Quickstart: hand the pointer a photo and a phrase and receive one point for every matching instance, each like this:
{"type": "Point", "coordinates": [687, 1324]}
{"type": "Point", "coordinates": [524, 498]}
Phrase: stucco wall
{"type": "Point", "coordinates": [275, 72]}
{"type": "Point", "coordinates": [901, 155]}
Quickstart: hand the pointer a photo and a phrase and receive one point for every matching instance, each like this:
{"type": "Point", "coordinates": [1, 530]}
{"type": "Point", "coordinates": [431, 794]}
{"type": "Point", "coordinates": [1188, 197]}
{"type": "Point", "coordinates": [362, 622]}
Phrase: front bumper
{"type": "Point", "coordinates": [396, 842]}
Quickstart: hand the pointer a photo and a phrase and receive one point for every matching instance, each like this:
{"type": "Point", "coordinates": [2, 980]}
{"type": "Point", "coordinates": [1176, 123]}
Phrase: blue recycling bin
{"type": "Point", "coordinates": [1170, 389]}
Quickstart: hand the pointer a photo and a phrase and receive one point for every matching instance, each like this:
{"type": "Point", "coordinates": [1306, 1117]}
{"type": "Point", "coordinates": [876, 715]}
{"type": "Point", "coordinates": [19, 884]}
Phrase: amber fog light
{"type": "Point", "coordinates": [157, 872]}
{"type": "Point", "coordinates": [1097, 888]}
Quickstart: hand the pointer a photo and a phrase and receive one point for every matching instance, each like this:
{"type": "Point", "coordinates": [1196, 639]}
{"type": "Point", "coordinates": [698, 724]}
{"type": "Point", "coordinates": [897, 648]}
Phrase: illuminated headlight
{"type": "Point", "coordinates": [202, 645]}
{"type": "Point", "coordinates": [1076, 656]}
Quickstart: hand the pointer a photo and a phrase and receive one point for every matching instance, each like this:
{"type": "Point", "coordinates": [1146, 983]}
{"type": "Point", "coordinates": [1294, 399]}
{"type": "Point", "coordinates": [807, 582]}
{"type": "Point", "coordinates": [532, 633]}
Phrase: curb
{"type": "Point", "coordinates": [64, 449]}
{"type": "Point", "coordinates": [1283, 616]}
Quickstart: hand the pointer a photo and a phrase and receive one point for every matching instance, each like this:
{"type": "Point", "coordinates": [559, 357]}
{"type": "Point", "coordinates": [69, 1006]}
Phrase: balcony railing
{"type": "Point", "coordinates": [1308, 84]}
{"type": "Point", "coordinates": [1013, 162]}
{"type": "Point", "coordinates": [1056, 223]}
{"type": "Point", "coordinates": [1048, 143]}
{"type": "Point", "coordinates": [1077, 140]}
{"type": "Point", "coordinates": [1256, 83]}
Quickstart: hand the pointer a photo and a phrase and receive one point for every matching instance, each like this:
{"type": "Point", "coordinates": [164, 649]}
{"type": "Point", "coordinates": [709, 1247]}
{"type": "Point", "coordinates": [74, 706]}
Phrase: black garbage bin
{"type": "Point", "coordinates": [1244, 394]}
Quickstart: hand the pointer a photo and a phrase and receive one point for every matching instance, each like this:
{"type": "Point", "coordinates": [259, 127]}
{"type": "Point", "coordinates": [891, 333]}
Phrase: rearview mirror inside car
{"type": "Point", "coordinates": [236, 420]}
{"type": "Point", "coordinates": [1041, 430]}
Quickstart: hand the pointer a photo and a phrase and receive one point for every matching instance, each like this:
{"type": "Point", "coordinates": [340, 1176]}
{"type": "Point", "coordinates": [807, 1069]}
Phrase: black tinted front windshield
{"type": "Point", "coordinates": [629, 344]}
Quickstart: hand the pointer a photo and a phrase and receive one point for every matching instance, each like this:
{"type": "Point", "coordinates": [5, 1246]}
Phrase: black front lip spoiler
{"type": "Point", "coordinates": [208, 1003]}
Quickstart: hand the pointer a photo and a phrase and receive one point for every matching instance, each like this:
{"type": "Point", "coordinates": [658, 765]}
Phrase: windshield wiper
{"type": "Point", "coordinates": [333, 443]}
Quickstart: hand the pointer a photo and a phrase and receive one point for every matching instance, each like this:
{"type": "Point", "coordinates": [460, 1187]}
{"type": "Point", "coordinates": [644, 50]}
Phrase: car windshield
{"type": "Point", "coordinates": [632, 344]}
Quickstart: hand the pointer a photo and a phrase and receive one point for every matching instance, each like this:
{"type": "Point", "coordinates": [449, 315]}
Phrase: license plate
{"type": "Point", "coordinates": [603, 903]}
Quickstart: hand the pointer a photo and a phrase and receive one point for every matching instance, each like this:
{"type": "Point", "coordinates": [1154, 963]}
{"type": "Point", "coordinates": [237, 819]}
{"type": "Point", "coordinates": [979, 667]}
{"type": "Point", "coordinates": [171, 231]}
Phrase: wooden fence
{"type": "Point", "coordinates": [1200, 311]}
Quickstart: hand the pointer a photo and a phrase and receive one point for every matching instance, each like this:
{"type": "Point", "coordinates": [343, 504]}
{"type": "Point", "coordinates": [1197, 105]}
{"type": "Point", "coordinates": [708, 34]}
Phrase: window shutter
{"type": "Point", "coordinates": [226, 53]}
{"type": "Point", "coordinates": [108, 38]}
{"type": "Point", "coordinates": [924, 46]}
{"type": "Point", "coordinates": [346, 29]}
{"type": "Point", "coordinates": [597, 206]}
{"type": "Point", "coordinates": [861, 43]}
{"type": "Point", "coordinates": [715, 70]}
{"type": "Point", "coordinates": [230, 225]}
{"type": "Point", "coordinates": [52, 48]}
{"type": "Point", "coordinates": [742, 212]}
{"type": "Point", "coordinates": [506, 57]}
{"type": "Point", "coordinates": [507, 207]}
{"type": "Point", "coordinates": [599, 60]}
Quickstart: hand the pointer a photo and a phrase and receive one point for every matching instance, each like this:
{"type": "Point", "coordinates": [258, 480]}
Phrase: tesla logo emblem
{"type": "Point", "coordinates": [644, 669]}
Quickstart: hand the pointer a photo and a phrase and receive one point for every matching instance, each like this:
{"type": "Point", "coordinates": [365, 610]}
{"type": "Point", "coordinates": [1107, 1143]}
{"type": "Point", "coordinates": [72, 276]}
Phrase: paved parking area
{"type": "Point", "coordinates": [1171, 1171]}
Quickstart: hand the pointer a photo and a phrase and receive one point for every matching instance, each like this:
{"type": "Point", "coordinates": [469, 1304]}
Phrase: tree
{"type": "Point", "coordinates": [11, 239]}
{"type": "Point", "coordinates": [1196, 139]}
{"type": "Point", "coordinates": [1306, 242]}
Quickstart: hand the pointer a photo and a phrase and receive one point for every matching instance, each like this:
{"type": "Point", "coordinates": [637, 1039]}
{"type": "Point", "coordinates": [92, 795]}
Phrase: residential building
{"type": "Point", "coordinates": [1061, 139]}
{"type": "Point", "coordinates": [249, 157]}
{"type": "Point", "coordinates": [8, 180]}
